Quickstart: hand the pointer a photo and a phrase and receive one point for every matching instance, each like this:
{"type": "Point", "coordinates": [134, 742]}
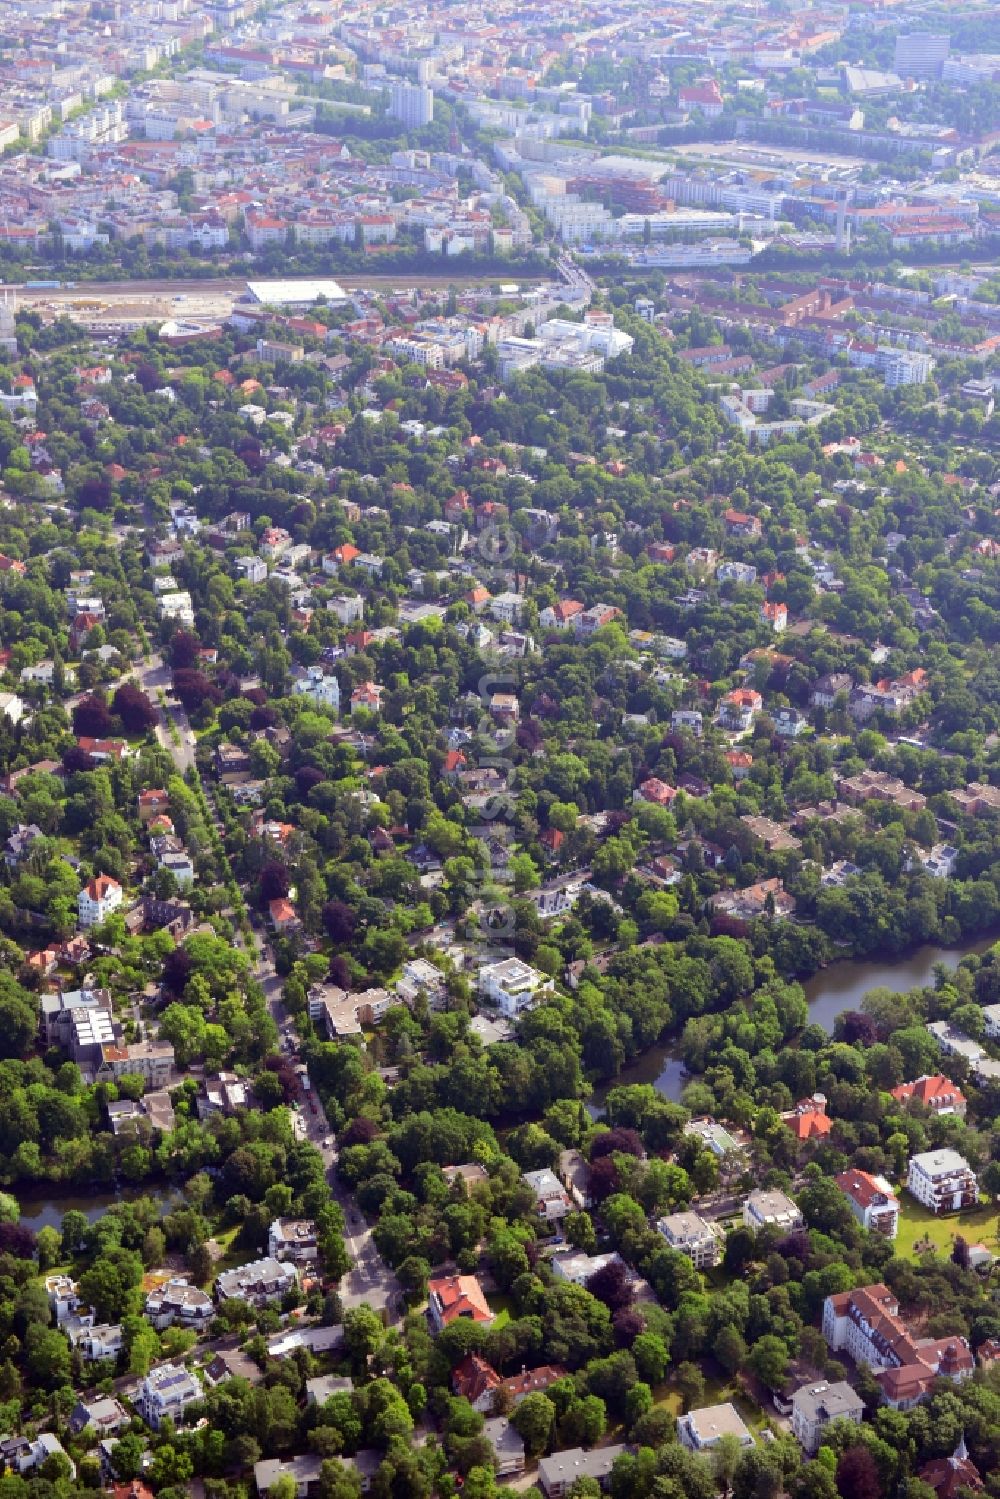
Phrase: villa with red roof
{"type": "Point", "coordinates": [936, 1092]}
{"type": "Point", "coordinates": [809, 1120]}
{"type": "Point", "coordinates": [452, 1296]}
{"type": "Point", "coordinates": [560, 616]}
{"type": "Point", "coordinates": [871, 1200]}
{"type": "Point", "coordinates": [98, 898]}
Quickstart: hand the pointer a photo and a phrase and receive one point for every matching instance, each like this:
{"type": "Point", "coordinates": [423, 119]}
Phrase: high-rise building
{"type": "Point", "coordinates": [921, 54]}
{"type": "Point", "coordinates": [412, 104]}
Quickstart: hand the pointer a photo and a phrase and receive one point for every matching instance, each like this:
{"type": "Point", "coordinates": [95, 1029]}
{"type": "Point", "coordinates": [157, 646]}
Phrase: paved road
{"type": "Point", "coordinates": [370, 1278]}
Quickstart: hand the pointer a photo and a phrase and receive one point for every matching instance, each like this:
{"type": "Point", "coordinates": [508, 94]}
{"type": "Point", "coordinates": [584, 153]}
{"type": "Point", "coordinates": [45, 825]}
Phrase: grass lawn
{"type": "Point", "coordinates": [918, 1224]}
{"type": "Point", "coordinates": [501, 1306]}
{"type": "Point", "coordinates": [231, 1256]}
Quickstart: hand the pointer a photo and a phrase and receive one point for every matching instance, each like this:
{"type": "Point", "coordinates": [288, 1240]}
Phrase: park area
{"type": "Point", "coordinates": [920, 1229]}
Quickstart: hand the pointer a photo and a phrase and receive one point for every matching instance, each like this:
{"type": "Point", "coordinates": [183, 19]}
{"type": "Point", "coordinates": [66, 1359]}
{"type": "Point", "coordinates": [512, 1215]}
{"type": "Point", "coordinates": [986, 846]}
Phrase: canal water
{"type": "Point", "coordinates": [40, 1211]}
{"type": "Point", "coordinates": [842, 986]}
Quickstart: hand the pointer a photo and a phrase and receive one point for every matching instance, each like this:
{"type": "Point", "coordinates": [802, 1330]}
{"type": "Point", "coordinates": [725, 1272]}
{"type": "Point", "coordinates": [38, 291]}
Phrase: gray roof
{"type": "Point", "coordinates": [304, 1469]}
{"type": "Point", "coordinates": [502, 1437]}
{"type": "Point", "coordinates": [826, 1401]}
{"type": "Point", "coordinates": [574, 1463]}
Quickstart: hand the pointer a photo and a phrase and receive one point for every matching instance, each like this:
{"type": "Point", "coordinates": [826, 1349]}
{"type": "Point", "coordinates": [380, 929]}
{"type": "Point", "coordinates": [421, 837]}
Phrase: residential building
{"type": "Point", "coordinates": [558, 1473]}
{"type": "Point", "coordinates": [691, 1234]}
{"type": "Point", "coordinates": [871, 1200]}
{"type": "Point", "coordinates": [321, 686]}
{"type": "Point", "coordinates": [955, 1043]}
{"type": "Point", "coordinates": [452, 1296]}
{"type": "Point", "coordinates": [942, 1180]}
{"type": "Point", "coordinates": [576, 1267]}
{"type": "Point", "coordinates": [552, 1202]}
{"type": "Point", "coordinates": [303, 1470]}
{"type": "Point", "coordinates": [476, 1381]}
{"type": "Point", "coordinates": [866, 1325]}
{"type": "Point", "coordinates": [105, 1417]}
{"type": "Point", "coordinates": [701, 1430]}
{"type": "Point", "coordinates": [253, 569]}
{"type": "Point", "coordinates": [771, 1209]}
{"type": "Point", "coordinates": [814, 1406]}
{"type": "Point", "coordinates": [411, 104]}
{"type": "Point", "coordinates": [348, 607]}
{"type": "Point", "coordinates": [292, 1239]}
{"type": "Point", "coordinates": [715, 1137]}
{"type": "Point", "coordinates": [22, 1455]}
{"type": "Point", "coordinates": [261, 1283]}
{"type": "Point", "coordinates": [991, 1030]}
{"type": "Point", "coordinates": [935, 1092]}
{"type": "Point", "coordinates": [96, 901]}
{"type": "Point", "coordinates": [166, 1391]}
{"type": "Point", "coordinates": [809, 1120]}
{"type": "Point", "coordinates": [511, 985]}
{"type": "Point", "coordinates": [224, 1094]}
{"type": "Point", "coordinates": [530, 1382]}
{"type": "Point", "coordinates": [151, 1060]}
{"type": "Point", "coordinates": [176, 1301]}
{"type": "Point", "coordinates": [508, 1448]}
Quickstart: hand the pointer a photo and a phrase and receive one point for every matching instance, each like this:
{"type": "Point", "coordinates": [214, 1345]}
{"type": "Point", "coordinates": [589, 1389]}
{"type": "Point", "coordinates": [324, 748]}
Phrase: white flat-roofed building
{"type": "Point", "coordinates": [701, 1430]}
{"type": "Point", "coordinates": [578, 1268]}
{"type": "Point", "coordinates": [167, 1391]}
{"type": "Point", "coordinates": [771, 1209]}
{"type": "Point", "coordinates": [298, 293]}
{"type": "Point", "coordinates": [691, 1234]}
{"type": "Point", "coordinates": [942, 1180]}
{"type": "Point", "coordinates": [292, 1239]}
{"type": "Point", "coordinates": [552, 1201]}
{"type": "Point", "coordinates": [511, 985]}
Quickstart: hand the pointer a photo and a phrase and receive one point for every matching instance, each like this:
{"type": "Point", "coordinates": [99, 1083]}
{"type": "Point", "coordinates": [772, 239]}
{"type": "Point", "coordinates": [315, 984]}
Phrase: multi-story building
{"type": "Point", "coordinates": [814, 1406]}
{"type": "Point", "coordinates": [771, 1209]}
{"type": "Point", "coordinates": [176, 1301]}
{"type": "Point", "coordinates": [935, 1091]}
{"type": "Point", "coordinates": [451, 1297]}
{"type": "Point", "coordinates": [260, 1283]}
{"type": "Point", "coordinates": [871, 1200]}
{"type": "Point", "coordinates": [321, 686]}
{"type": "Point", "coordinates": [865, 1324]}
{"type": "Point", "coordinates": [942, 1180]}
{"type": "Point", "coordinates": [921, 54]}
{"type": "Point", "coordinates": [292, 1239]}
{"type": "Point", "coordinates": [691, 1234]}
{"type": "Point", "coordinates": [151, 1060]}
{"type": "Point", "coordinates": [558, 1473]}
{"type": "Point", "coordinates": [98, 898]}
{"type": "Point", "coordinates": [166, 1391]}
{"type": "Point", "coordinates": [552, 1202]}
{"type": "Point", "coordinates": [701, 1430]}
{"type": "Point", "coordinates": [511, 985]}
{"type": "Point", "coordinates": [411, 104]}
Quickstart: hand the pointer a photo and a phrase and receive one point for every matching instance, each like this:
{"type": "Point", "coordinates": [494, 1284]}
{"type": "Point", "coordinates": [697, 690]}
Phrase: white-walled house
{"type": "Point", "coordinates": [942, 1180]}
{"type": "Point", "coordinates": [511, 985]}
{"type": "Point", "coordinates": [96, 901]}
